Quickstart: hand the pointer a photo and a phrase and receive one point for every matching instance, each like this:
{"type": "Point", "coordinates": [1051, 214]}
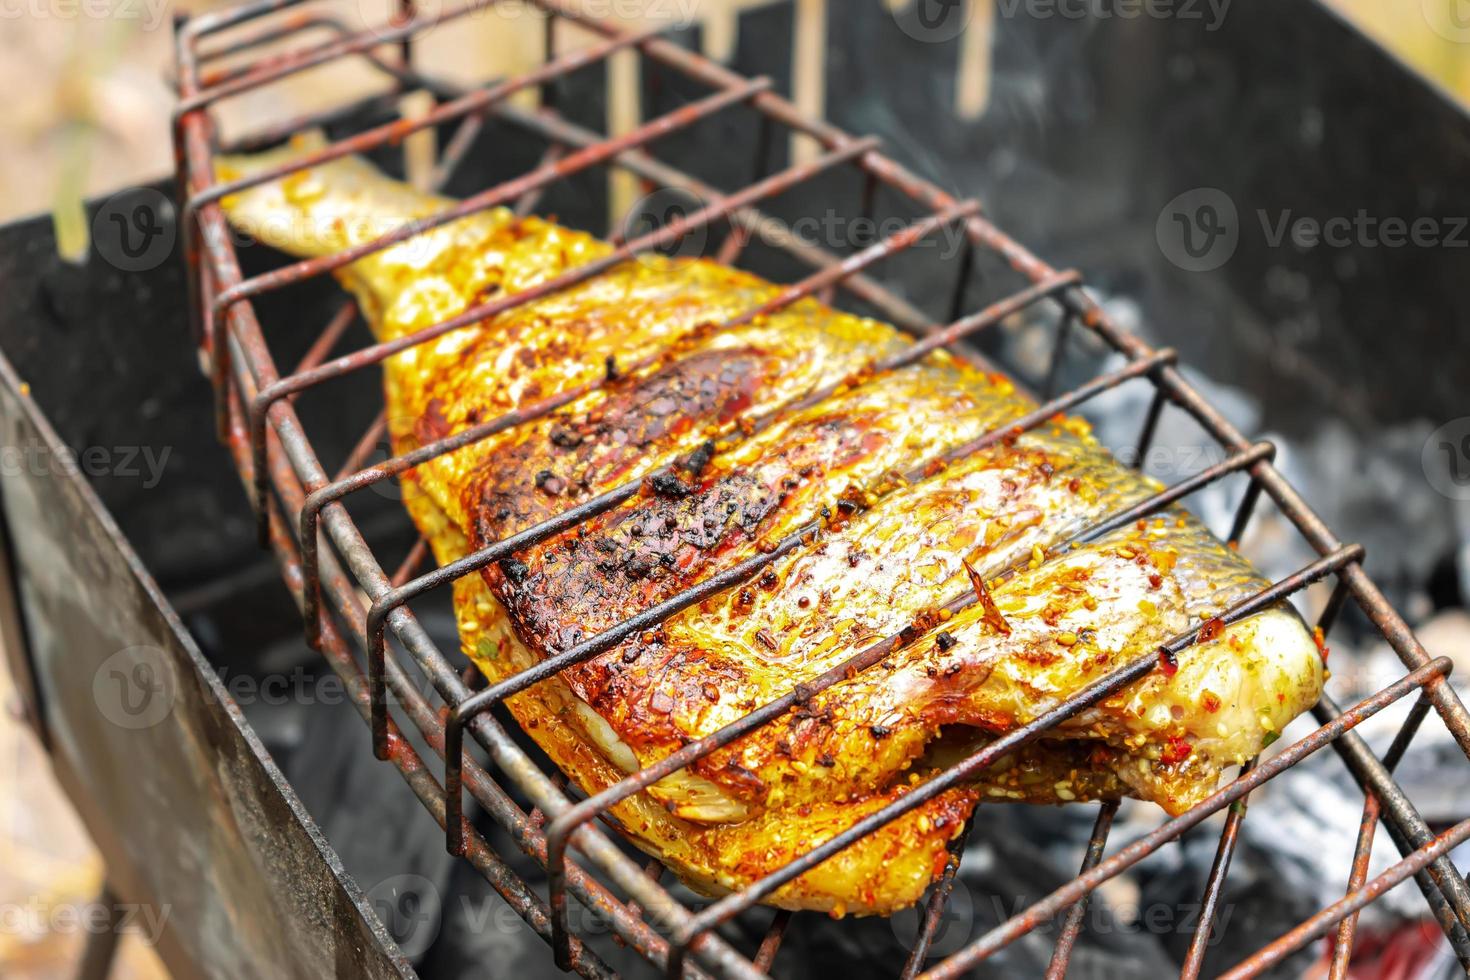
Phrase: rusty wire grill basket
{"type": "Point", "coordinates": [349, 598]}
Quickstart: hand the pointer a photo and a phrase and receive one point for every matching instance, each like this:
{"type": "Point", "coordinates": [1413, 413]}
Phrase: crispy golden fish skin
{"type": "Point", "coordinates": [897, 539]}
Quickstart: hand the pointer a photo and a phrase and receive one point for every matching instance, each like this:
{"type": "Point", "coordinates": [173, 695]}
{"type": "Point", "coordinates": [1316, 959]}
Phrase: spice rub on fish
{"type": "Point", "coordinates": [903, 532]}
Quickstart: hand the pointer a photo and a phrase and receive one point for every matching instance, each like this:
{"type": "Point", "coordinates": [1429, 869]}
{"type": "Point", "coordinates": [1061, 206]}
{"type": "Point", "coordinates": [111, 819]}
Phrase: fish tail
{"type": "Point", "coordinates": [337, 205]}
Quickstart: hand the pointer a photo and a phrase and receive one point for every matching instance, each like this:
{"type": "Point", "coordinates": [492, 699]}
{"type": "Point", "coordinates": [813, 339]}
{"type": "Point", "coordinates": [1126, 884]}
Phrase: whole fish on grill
{"type": "Point", "coordinates": [906, 525]}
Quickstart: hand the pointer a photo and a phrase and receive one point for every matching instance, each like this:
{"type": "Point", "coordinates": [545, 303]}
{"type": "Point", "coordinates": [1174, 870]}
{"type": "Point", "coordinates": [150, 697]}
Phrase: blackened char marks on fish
{"type": "Point", "coordinates": [623, 562]}
{"type": "Point", "coordinates": [548, 470]}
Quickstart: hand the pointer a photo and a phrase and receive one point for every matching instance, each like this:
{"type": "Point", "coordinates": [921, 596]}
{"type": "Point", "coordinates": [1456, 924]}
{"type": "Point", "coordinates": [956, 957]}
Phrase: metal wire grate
{"type": "Point", "coordinates": [299, 504]}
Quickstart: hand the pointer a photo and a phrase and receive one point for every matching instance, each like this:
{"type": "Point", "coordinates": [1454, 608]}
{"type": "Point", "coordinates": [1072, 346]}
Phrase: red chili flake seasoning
{"type": "Point", "coordinates": [1176, 751]}
{"type": "Point", "coordinates": [1321, 641]}
{"type": "Point", "coordinates": [1210, 701]}
{"type": "Point", "coordinates": [993, 617]}
{"type": "Point", "coordinates": [1211, 630]}
{"type": "Point", "coordinates": [1168, 662]}
{"type": "Point", "coordinates": [1074, 484]}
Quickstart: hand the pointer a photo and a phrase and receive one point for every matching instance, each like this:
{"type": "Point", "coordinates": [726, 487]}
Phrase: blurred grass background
{"type": "Point", "coordinates": [87, 108]}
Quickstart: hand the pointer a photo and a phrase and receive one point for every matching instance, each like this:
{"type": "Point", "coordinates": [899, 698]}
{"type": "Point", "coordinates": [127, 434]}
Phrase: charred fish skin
{"type": "Point", "coordinates": [901, 525]}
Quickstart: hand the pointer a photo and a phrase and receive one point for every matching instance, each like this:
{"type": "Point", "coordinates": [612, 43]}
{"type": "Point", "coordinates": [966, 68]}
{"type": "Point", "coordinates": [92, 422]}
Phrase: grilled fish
{"type": "Point", "coordinates": [905, 529]}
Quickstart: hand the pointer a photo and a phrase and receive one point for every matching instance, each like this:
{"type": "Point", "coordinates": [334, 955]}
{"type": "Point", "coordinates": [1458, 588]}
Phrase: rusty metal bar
{"type": "Point", "coordinates": [725, 908]}
{"type": "Point", "coordinates": [1243, 513]}
{"type": "Point", "coordinates": [559, 833]}
{"type": "Point", "coordinates": [216, 316]}
{"type": "Point", "coordinates": [1342, 951]}
{"type": "Point", "coordinates": [1443, 887]}
{"type": "Point", "coordinates": [934, 907]}
{"type": "Point", "coordinates": [1319, 924]}
{"type": "Point", "coordinates": [1194, 959]}
{"type": "Point", "coordinates": [271, 394]}
{"type": "Point", "coordinates": [1058, 355]}
{"type": "Point", "coordinates": [749, 220]}
{"type": "Point", "coordinates": [211, 283]}
{"type": "Point", "coordinates": [476, 101]}
{"type": "Point", "coordinates": [1072, 925]}
{"type": "Point", "coordinates": [1316, 533]}
{"type": "Point", "coordinates": [293, 63]}
{"type": "Point", "coordinates": [771, 942]}
{"type": "Point", "coordinates": [405, 758]}
{"type": "Point", "coordinates": [194, 150]}
{"type": "Point", "coordinates": [560, 131]}
{"type": "Point", "coordinates": [1149, 427]}
{"type": "Point", "coordinates": [427, 720]}
{"type": "Point", "coordinates": [396, 466]}
{"type": "Point", "coordinates": [1043, 911]}
{"type": "Point", "coordinates": [212, 22]}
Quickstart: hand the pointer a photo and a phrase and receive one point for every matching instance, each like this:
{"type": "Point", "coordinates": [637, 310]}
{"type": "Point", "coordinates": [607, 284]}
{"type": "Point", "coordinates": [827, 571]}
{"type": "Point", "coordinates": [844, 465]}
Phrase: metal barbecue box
{"type": "Point", "coordinates": [235, 766]}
